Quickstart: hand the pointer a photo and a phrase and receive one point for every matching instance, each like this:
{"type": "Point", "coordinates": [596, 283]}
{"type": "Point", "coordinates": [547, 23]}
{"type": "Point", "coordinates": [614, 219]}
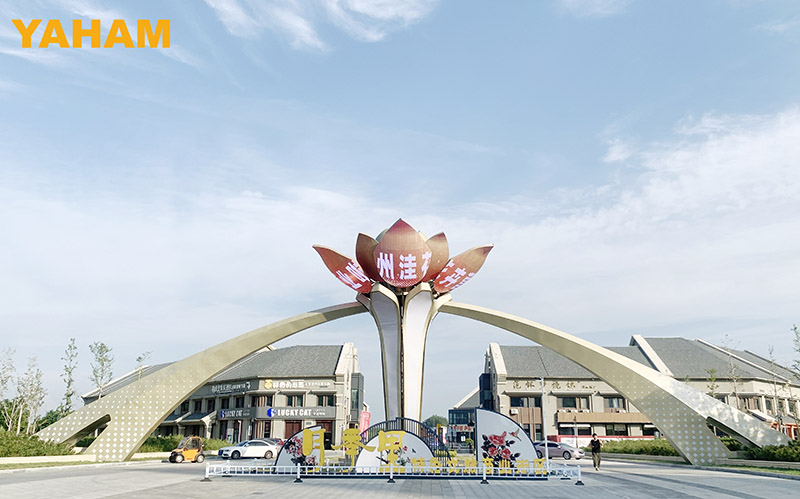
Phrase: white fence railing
{"type": "Point", "coordinates": [563, 471]}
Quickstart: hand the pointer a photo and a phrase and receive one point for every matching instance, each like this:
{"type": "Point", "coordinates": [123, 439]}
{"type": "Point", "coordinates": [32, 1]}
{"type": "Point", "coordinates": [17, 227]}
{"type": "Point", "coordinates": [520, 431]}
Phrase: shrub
{"type": "Point", "coordinates": [85, 442]}
{"type": "Point", "coordinates": [789, 452]}
{"type": "Point", "coordinates": [731, 443]}
{"type": "Point", "coordinates": [655, 447]}
{"type": "Point", "coordinates": [166, 444]}
{"type": "Point", "coordinates": [13, 445]}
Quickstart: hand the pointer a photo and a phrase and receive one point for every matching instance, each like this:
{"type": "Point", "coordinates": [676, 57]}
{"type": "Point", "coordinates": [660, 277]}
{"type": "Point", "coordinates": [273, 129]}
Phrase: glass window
{"type": "Point", "coordinates": [210, 405]}
{"type": "Point", "coordinates": [768, 404]}
{"type": "Point", "coordinates": [185, 406]}
{"type": "Point", "coordinates": [294, 401]}
{"type": "Point", "coordinates": [573, 402]}
{"type": "Point", "coordinates": [614, 402]}
{"type": "Point", "coordinates": [326, 400]}
{"type": "Point", "coordinates": [239, 402]}
{"type": "Point", "coordinates": [517, 401]}
{"type": "Point", "coordinates": [198, 406]}
{"type": "Point", "coordinates": [616, 429]}
{"type": "Point", "coordinates": [224, 403]}
{"type": "Point", "coordinates": [354, 402]}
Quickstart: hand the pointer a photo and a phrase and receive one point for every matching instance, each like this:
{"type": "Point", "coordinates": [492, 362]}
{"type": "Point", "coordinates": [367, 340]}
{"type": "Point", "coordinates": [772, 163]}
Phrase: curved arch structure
{"type": "Point", "coordinates": [135, 411]}
{"type": "Point", "coordinates": [679, 411]}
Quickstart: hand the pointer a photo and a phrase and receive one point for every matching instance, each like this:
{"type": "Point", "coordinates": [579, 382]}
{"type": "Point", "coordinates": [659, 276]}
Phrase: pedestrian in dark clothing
{"type": "Point", "coordinates": [596, 444]}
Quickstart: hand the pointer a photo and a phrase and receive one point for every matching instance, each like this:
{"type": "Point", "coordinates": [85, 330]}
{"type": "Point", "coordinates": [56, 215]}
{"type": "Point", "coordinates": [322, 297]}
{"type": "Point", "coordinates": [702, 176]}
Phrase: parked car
{"type": "Point", "coordinates": [558, 449]}
{"type": "Point", "coordinates": [250, 448]}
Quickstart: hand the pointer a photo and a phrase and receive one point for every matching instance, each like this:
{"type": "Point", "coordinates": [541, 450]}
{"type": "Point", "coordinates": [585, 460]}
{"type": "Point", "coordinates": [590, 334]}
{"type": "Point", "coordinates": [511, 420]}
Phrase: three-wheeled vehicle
{"type": "Point", "coordinates": [190, 449]}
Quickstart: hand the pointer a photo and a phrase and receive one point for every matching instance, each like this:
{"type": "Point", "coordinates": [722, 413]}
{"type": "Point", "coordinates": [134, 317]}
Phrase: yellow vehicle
{"type": "Point", "coordinates": [190, 449]}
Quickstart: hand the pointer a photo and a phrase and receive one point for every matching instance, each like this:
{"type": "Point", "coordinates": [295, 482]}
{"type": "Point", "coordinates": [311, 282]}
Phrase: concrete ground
{"type": "Point", "coordinates": [162, 479]}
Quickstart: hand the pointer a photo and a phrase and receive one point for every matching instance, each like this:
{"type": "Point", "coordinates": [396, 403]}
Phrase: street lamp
{"type": "Point", "coordinates": [575, 429]}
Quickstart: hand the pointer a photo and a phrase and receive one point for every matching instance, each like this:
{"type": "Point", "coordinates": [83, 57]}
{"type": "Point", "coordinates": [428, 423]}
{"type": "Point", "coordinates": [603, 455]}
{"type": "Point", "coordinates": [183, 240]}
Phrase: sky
{"type": "Point", "coordinates": [636, 165]}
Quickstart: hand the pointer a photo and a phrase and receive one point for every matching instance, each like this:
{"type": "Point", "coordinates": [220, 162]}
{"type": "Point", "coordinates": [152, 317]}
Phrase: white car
{"type": "Point", "coordinates": [558, 449]}
{"type": "Point", "coordinates": [250, 448]}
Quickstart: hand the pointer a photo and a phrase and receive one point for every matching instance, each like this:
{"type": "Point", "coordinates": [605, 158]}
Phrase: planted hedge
{"type": "Point", "coordinates": [655, 447]}
{"type": "Point", "coordinates": [789, 452]}
{"type": "Point", "coordinates": [13, 445]}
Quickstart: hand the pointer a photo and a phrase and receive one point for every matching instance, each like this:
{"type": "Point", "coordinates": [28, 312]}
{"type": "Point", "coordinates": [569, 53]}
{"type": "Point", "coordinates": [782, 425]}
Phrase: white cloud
{"type": "Point", "coordinates": [594, 8]}
{"type": "Point", "coordinates": [371, 21]}
{"type": "Point", "coordinates": [618, 150]}
{"type": "Point", "coordinates": [365, 20]}
{"type": "Point", "coordinates": [781, 26]}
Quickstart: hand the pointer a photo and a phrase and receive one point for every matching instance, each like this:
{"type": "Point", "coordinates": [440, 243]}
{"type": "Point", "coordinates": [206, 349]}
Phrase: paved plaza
{"type": "Point", "coordinates": [160, 479]}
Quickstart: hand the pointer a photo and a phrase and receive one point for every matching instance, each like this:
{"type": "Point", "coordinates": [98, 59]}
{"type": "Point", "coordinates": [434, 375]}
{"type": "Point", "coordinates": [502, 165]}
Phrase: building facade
{"type": "Point", "coordinates": [576, 403]}
{"type": "Point", "coordinates": [271, 393]}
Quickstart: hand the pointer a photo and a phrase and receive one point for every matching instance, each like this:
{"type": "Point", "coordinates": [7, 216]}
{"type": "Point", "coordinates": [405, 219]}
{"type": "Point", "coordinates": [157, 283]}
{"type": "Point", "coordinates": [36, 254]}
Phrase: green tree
{"type": "Point", "coordinates": [796, 364]}
{"type": "Point", "coordinates": [101, 368]}
{"type": "Point", "coordinates": [432, 421]}
{"type": "Point", "coordinates": [140, 360]}
{"type": "Point", "coordinates": [712, 382]}
{"type": "Point", "coordinates": [31, 389]}
{"type": "Point", "coordinates": [70, 359]}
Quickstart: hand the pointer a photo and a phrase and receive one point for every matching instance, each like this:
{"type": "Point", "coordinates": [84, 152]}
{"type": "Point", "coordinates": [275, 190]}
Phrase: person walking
{"type": "Point", "coordinates": [596, 445]}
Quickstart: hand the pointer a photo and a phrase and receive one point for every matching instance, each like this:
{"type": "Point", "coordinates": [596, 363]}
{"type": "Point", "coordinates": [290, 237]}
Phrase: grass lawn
{"type": "Point", "coordinates": [19, 466]}
{"type": "Point", "coordinates": [782, 471]}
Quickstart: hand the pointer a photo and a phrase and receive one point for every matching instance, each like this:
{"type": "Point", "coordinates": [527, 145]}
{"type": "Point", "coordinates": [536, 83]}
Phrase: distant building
{"type": "Point", "coordinates": [578, 403]}
{"type": "Point", "coordinates": [270, 393]}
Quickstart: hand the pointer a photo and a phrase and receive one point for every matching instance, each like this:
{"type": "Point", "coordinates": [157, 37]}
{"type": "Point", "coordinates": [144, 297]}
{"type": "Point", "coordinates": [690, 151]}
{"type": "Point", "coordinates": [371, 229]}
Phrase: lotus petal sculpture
{"type": "Point", "coordinates": [403, 278]}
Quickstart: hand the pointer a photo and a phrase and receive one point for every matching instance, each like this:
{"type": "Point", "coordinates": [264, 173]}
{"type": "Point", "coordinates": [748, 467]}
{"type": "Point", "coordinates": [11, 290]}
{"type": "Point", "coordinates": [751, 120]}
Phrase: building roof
{"type": "Point", "coordinates": [297, 361]}
{"type": "Point", "coordinates": [537, 361]}
{"type": "Point", "coordinates": [685, 358]}
{"type": "Point", "coordinates": [693, 359]}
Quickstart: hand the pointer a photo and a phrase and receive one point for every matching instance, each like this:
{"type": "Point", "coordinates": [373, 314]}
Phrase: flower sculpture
{"type": "Point", "coordinates": [402, 258]}
{"type": "Point", "coordinates": [403, 278]}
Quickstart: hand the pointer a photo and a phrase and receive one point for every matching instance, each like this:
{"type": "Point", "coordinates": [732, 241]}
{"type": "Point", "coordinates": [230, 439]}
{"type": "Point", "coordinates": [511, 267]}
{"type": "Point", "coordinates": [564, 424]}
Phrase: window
{"type": "Point", "coordinates": [239, 402]}
{"type": "Point", "coordinates": [294, 401]}
{"type": "Point", "coordinates": [224, 403]}
{"type": "Point", "coordinates": [261, 401]}
{"type": "Point", "coordinates": [526, 401]}
{"type": "Point", "coordinates": [649, 430]}
{"type": "Point", "coordinates": [185, 407]}
{"type": "Point", "coordinates": [768, 404]}
{"type": "Point", "coordinates": [326, 400]}
{"type": "Point", "coordinates": [573, 402]}
{"type": "Point", "coordinates": [355, 403]}
{"type": "Point", "coordinates": [198, 406]}
{"type": "Point", "coordinates": [210, 405]}
{"type": "Point", "coordinates": [752, 403]}
{"type": "Point", "coordinates": [613, 404]}
{"type": "Point", "coordinates": [616, 429]}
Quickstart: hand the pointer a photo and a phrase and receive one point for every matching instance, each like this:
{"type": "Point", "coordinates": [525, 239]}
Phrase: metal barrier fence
{"type": "Point", "coordinates": [563, 471]}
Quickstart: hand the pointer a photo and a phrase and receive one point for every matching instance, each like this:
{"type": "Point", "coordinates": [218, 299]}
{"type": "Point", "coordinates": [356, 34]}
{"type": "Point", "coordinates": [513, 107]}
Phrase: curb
{"type": "Point", "coordinates": [707, 468]}
{"type": "Point", "coordinates": [74, 466]}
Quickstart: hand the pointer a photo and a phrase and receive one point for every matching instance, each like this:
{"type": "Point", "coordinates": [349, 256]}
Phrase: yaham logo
{"type": "Point", "coordinates": [146, 35]}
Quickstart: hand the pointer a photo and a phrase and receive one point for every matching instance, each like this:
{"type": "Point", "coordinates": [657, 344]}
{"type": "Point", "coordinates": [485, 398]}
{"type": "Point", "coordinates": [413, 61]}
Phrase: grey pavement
{"type": "Point", "coordinates": [162, 479]}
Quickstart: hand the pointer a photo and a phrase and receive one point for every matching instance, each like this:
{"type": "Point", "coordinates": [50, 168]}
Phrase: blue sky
{"type": "Point", "coordinates": [635, 164]}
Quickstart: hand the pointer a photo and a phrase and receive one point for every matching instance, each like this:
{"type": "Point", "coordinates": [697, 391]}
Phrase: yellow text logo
{"type": "Point", "coordinates": [146, 35]}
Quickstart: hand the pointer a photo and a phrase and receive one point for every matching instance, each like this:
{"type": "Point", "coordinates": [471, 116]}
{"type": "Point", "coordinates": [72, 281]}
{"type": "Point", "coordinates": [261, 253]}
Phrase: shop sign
{"type": "Point", "coordinates": [224, 388]}
{"type": "Point", "coordinates": [301, 413]}
{"type": "Point", "coordinates": [243, 413]}
{"type": "Point", "coordinates": [296, 384]}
